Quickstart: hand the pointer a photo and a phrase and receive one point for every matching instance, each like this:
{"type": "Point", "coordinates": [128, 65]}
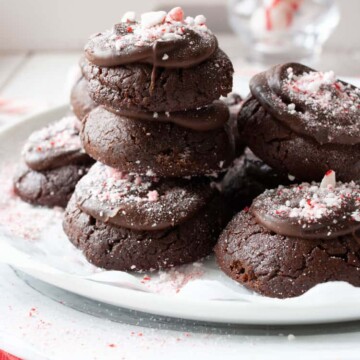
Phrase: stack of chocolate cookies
{"type": "Point", "coordinates": [305, 123]}
{"type": "Point", "coordinates": [158, 133]}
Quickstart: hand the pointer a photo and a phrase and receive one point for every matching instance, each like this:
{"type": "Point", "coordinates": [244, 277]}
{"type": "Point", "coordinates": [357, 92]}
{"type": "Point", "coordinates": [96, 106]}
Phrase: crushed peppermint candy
{"type": "Point", "coordinates": [310, 209]}
{"type": "Point", "coordinates": [137, 201]}
{"type": "Point", "coordinates": [291, 177]}
{"type": "Point", "coordinates": [291, 108]}
{"type": "Point", "coordinates": [153, 18]}
{"type": "Point", "coordinates": [175, 14]}
{"type": "Point", "coordinates": [112, 185]}
{"type": "Point", "coordinates": [62, 135]}
{"type": "Point", "coordinates": [356, 215]}
{"type": "Point", "coordinates": [153, 195]}
{"type": "Point", "coordinates": [322, 90]}
{"type": "Point", "coordinates": [129, 17]}
{"type": "Point", "coordinates": [311, 82]}
{"type": "Point", "coordinates": [311, 103]}
{"type": "Point", "coordinates": [156, 26]}
{"type": "Point", "coordinates": [325, 103]}
{"type": "Point", "coordinates": [329, 180]}
{"type": "Point", "coordinates": [150, 173]}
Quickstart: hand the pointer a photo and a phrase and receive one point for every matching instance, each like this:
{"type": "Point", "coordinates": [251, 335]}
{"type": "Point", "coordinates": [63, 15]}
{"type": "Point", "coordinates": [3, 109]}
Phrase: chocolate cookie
{"type": "Point", "coordinates": [119, 248]}
{"type": "Point", "coordinates": [303, 122]}
{"type": "Point", "coordinates": [293, 238]}
{"type": "Point", "coordinates": [140, 87]}
{"type": "Point", "coordinates": [279, 266]}
{"type": "Point", "coordinates": [50, 187]}
{"type": "Point", "coordinates": [160, 63]}
{"type": "Point", "coordinates": [80, 100]}
{"type": "Point", "coordinates": [311, 211]}
{"type": "Point", "coordinates": [140, 202]}
{"type": "Point", "coordinates": [55, 162]}
{"type": "Point", "coordinates": [247, 178]}
{"type": "Point", "coordinates": [55, 146]}
{"type": "Point", "coordinates": [147, 147]}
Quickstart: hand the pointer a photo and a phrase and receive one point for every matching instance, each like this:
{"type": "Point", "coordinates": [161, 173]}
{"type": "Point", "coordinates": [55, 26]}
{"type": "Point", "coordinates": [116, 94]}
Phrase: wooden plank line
{"type": "Point", "coordinates": [15, 70]}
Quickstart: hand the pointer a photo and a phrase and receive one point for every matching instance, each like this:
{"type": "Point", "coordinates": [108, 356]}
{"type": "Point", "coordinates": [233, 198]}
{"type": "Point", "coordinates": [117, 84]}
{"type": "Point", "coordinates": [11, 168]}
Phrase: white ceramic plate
{"type": "Point", "coordinates": [331, 302]}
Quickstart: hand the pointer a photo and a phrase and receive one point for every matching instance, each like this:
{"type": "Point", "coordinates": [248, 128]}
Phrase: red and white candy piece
{"type": "Point", "coordinates": [129, 17]}
{"type": "Point", "coordinates": [275, 15]}
{"type": "Point", "coordinates": [152, 18]}
{"type": "Point", "coordinates": [200, 20]}
{"type": "Point", "coordinates": [175, 14]}
{"type": "Point", "coordinates": [329, 180]}
{"type": "Point", "coordinates": [312, 81]}
{"type": "Point", "coordinates": [153, 196]}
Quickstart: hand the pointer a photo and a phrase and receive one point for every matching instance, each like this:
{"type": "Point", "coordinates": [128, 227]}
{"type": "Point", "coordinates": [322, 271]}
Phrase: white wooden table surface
{"type": "Point", "coordinates": [30, 82]}
{"type": "Point", "coordinates": [32, 326]}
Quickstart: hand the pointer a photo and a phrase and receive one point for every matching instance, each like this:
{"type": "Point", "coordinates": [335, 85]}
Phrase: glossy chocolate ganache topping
{"type": "Point", "coordinates": [162, 39]}
{"type": "Point", "coordinates": [310, 102]}
{"type": "Point", "coordinates": [311, 211]}
{"type": "Point", "coordinates": [140, 202]}
{"type": "Point", "coordinates": [213, 116]}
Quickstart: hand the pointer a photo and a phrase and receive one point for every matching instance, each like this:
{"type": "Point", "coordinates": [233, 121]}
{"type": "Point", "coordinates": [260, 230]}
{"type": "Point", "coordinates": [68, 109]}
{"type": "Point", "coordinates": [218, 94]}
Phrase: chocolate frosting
{"type": "Point", "coordinates": [55, 146]}
{"type": "Point", "coordinates": [310, 212]}
{"type": "Point", "coordinates": [207, 118]}
{"type": "Point", "coordinates": [330, 114]}
{"type": "Point", "coordinates": [140, 202]}
{"type": "Point", "coordinates": [125, 45]}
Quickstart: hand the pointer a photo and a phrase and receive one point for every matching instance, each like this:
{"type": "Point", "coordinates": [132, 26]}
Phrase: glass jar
{"type": "Point", "coordinates": [275, 31]}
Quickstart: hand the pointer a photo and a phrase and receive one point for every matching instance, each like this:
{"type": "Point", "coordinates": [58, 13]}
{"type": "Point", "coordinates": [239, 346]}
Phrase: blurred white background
{"type": "Point", "coordinates": [66, 24]}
